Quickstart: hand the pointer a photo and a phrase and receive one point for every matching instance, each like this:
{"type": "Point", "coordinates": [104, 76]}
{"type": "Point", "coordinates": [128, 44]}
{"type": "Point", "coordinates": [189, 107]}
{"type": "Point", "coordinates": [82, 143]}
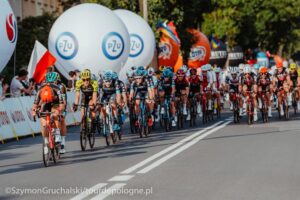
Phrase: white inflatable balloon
{"type": "Point", "coordinates": [142, 41]}
{"type": "Point", "coordinates": [8, 33]}
{"type": "Point", "coordinates": [89, 36]}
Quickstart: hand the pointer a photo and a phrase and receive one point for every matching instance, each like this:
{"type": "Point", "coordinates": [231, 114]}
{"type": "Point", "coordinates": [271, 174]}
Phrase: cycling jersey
{"type": "Point", "coordinates": [281, 77]}
{"type": "Point", "coordinates": [141, 90]}
{"type": "Point", "coordinates": [166, 86]}
{"type": "Point", "coordinates": [180, 85]}
{"type": "Point", "coordinates": [206, 80]}
{"type": "Point", "coordinates": [264, 83]}
{"type": "Point", "coordinates": [88, 91]}
{"type": "Point", "coordinates": [195, 84]}
{"type": "Point", "coordinates": [233, 83]}
{"type": "Point", "coordinates": [248, 81]}
{"type": "Point", "coordinates": [294, 78]}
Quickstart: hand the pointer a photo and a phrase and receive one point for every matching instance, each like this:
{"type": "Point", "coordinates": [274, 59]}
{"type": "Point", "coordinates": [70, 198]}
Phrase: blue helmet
{"type": "Point", "coordinates": [115, 76]}
{"type": "Point", "coordinates": [256, 66]}
{"type": "Point", "coordinates": [184, 68]}
{"type": "Point", "coordinates": [139, 72]}
{"type": "Point", "coordinates": [108, 75]}
{"type": "Point", "coordinates": [140, 68]}
{"type": "Point", "coordinates": [167, 73]}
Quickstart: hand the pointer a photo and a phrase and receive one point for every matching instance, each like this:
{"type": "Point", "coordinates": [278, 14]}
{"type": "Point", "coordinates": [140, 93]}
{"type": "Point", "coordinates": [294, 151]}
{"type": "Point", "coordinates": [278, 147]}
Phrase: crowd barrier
{"type": "Point", "coordinates": [16, 119]}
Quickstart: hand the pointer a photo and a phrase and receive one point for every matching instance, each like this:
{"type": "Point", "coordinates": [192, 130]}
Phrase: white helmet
{"type": "Point", "coordinates": [247, 69]}
{"type": "Point", "coordinates": [285, 64]}
{"type": "Point", "coordinates": [218, 70]}
{"type": "Point", "coordinates": [241, 66]}
{"type": "Point", "coordinates": [204, 68]}
{"type": "Point", "coordinates": [208, 67]}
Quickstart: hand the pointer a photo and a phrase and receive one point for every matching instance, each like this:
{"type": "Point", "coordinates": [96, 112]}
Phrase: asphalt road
{"type": "Point", "coordinates": [220, 160]}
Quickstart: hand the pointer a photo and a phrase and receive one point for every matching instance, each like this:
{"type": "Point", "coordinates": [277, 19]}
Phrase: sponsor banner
{"type": "Point", "coordinates": [236, 56]}
{"type": "Point", "coordinates": [19, 119]}
{"type": "Point", "coordinates": [6, 128]}
{"type": "Point", "coordinates": [26, 103]}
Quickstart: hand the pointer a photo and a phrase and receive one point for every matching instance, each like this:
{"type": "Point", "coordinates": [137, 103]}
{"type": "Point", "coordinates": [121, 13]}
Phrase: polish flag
{"type": "Point", "coordinates": [40, 60]}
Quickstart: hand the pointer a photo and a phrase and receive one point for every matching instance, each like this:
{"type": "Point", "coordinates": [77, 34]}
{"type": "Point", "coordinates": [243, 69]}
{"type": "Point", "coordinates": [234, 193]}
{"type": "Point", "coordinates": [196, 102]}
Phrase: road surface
{"type": "Point", "coordinates": [220, 160]}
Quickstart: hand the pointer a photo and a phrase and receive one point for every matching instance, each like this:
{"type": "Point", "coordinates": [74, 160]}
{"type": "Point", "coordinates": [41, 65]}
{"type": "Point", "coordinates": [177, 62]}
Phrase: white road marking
{"type": "Point", "coordinates": [89, 191]}
{"type": "Point", "coordinates": [146, 161]}
{"type": "Point", "coordinates": [179, 150]}
{"type": "Point", "coordinates": [121, 178]}
{"type": "Point", "coordinates": [109, 191]}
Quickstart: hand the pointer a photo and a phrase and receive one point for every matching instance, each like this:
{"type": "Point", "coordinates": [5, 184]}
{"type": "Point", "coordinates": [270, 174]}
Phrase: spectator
{"type": "Point", "coordinates": [3, 87]}
{"type": "Point", "coordinates": [16, 86]}
{"type": "Point", "coordinates": [77, 74]}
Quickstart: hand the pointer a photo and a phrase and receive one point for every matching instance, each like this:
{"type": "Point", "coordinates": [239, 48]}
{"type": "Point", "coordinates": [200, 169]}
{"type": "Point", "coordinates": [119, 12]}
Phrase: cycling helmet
{"type": "Point", "coordinates": [85, 74]}
{"type": "Point", "coordinates": [184, 68]}
{"type": "Point", "coordinates": [247, 69]}
{"type": "Point", "coordinates": [293, 66]}
{"type": "Point", "coordinates": [115, 76]}
{"type": "Point", "coordinates": [193, 71]}
{"type": "Point", "coordinates": [180, 72]}
{"type": "Point", "coordinates": [51, 77]}
{"type": "Point", "coordinates": [285, 64]}
{"type": "Point", "coordinates": [256, 66]}
{"type": "Point", "coordinates": [151, 71]}
{"type": "Point", "coordinates": [108, 75]}
{"type": "Point", "coordinates": [167, 73]}
{"type": "Point", "coordinates": [218, 70]}
{"type": "Point", "coordinates": [129, 73]}
{"type": "Point", "coordinates": [140, 68]}
{"type": "Point", "coordinates": [208, 66]}
{"type": "Point", "coordinates": [263, 70]}
{"type": "Point", "coordinates": [139, 72]}
{"type": "Point", "coordinates": [241, 66]}
{"type": "Point", "coordinates": [204, 68]}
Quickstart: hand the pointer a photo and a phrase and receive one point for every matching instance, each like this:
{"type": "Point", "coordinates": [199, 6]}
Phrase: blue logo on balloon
{"type": "Point", "coordinates": [66, 45]}
{"type": "Point", "coordinates": [113, 45]}
{"type": "Point", "coordinates": [136, 45]}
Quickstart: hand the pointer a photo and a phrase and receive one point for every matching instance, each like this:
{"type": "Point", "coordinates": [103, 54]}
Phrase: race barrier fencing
{"type": "Point", "coordinates": [16, 119]}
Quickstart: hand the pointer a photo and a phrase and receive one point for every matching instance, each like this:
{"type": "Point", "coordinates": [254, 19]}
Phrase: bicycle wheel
{"type": "Point", "coordinates": [91, 137]}
{"type": "Point", "coordinates": [286, 110]}
{"type": "Point", "coordinates": [46, 157]}
{"type": "Point", "coordinates": [99, 125]}
{"type": "Point", "coordinates": [83, 134]}
{"type": "Point", "coordinates": [249, 114]}
{"type": "Point", "coordinates": [106, 132]}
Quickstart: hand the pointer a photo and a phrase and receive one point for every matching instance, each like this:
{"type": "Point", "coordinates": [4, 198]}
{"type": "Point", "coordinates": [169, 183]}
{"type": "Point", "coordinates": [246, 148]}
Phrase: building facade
{"type": "Point", "coordinates": [27, 8]}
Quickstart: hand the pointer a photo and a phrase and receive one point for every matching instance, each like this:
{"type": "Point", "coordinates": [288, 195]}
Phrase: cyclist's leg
{"type": "Point", "coordinates": [55, 115]}
{"type": "Point", "coordinates": [184, 101]}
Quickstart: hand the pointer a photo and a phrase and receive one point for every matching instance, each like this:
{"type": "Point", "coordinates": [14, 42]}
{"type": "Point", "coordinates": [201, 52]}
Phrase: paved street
{"type": "Point", "coordinates": [220, 160]}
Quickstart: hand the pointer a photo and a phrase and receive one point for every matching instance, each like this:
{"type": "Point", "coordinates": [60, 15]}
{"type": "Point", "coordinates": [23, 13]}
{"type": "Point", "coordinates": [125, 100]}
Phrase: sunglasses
{"type": "Point", "coordinates": [86, 80]}
{"type": "Point", "coordinates": [107, 81]}
{"type": "Point", "coordinates": [138, 78]}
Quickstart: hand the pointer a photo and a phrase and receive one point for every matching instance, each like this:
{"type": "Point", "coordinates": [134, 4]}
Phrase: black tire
{"type": "Point", "coordinates": [91, 137]}
{"type": "Point", "coordinates": [54, 157]}
{"type": "Point", "coordinates": [46, 157]}
{"type": "Point", "coordinates": [83, 134]}
{"type": "Point", "coordinates": [107, 140]}
{"type": "Point", "coordinates": [99, 125]}
{"type": "Point", "coordinates": [249, 114]}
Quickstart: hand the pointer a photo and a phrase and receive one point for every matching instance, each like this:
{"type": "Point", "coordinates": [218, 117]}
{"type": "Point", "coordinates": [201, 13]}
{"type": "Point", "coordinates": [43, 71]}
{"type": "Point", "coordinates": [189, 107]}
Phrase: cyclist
{"type": "Point", "coordinates": [264, 84]}
{"type": "Point", "coordinates": [206, 85]}
{"type": "Point", "coordinates": [219, 85]}
{"type": "Point", "coordinates": [248, 85]}
{"type": "Point", "coordinates": [49, 99]}
{"type": "Point", "coordinates": [89, 92]}
{"type": "Point", "coordinates": [182, 89]}
{"type": "Point", "coordinates": [63, 125]}
{"type": "Point", "coordinates": [166, 89]}
{"type": "Point", "coordinates": [195, 86]}
{"type": "Point", "coordinates": [282, 81]}
{"type": "Point", "coordinates": [141, 88]}
{"type": "Point", "coordinates": [232, 86]}
{"type": "Point", "coordinates": [256, 68]}
{"type": "Point", "coordinates": [110, 91]}
{"type": "Point", "coordinates": [295, 78]}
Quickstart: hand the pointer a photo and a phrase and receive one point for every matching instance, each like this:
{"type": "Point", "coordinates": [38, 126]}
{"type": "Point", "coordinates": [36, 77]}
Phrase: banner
{"type": "Point", "coordinates": [235, 56]}
{"type": "Point", "coordinates": [262, 59]}
{"type": "Point", "coordinates": [218, 54]}
{"type": "Point", "coordinates": [169, 45]}
{"type": "Point", "coordinates": [200, 50]}
{"type": "Point", "coordinates": [6, 128]}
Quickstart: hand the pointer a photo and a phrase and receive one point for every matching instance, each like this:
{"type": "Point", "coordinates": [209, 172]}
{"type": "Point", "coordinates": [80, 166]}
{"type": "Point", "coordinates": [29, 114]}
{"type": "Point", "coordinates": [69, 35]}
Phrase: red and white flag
{"type": "Point", "coordinates": [40, 60]}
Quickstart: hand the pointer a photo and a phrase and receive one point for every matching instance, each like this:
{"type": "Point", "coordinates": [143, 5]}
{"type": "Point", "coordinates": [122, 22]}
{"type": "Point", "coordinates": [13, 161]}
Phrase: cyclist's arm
{"type": "Point", "coordinates": [95, 92]}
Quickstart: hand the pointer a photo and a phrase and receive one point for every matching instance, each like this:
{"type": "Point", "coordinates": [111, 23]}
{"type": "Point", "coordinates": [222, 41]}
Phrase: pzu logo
{"type": "Point", "coordinates": [165, 50]}
{"type": "Point", "coordinates": [136, 45]}
{"type": "Point", "coordinates": [66, 45]}
{"type": "Point", "coordinates": [113, 45]}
